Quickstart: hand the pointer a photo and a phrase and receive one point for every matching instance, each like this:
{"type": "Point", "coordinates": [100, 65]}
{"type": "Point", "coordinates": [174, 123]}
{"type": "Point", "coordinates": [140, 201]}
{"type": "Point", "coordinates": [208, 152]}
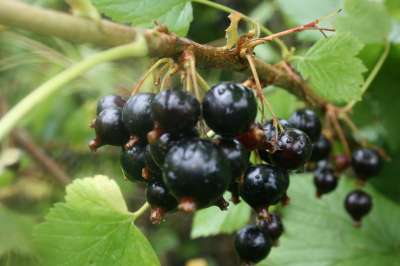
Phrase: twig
{"type": "Point", "coordinates": [25, 141]}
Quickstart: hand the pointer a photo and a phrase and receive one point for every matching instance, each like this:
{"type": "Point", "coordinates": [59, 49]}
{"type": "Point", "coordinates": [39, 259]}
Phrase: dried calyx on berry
{"type": "Point", "coordinates": [366, 163]}
{"type": "Point", "coordinates": [160, 200]}
{"type": "Point", "coordinates": [262, 186]}
{"type": "Point", "coordinates": [197, 173]}
{"type": "Point", "coordinates": [252, 245]}
{"type": "Point", "coordinates": [229, 109]}
{"type": "Point", "coordinates": [358, 204]}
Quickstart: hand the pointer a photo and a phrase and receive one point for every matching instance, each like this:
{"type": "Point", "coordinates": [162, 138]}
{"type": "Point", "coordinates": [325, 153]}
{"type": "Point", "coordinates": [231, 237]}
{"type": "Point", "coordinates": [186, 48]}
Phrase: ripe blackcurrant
{"type": "Point", "coordinates": [252, 245]}
{"type": "Point", "coordinates": [238, 158]}
{"type": "Point", "coordinates": [162, 145]}
{"type": "Point", "coordinates": [175, 111]}
{"type": "Point", "coordinates": [152, 170]}
{"type": "Point", "coordinates": [229, 109]}
{"type": "Point", "coordinates": [109, 129]}
{"type": "Point", "coordinates": [109, 101]}
{"type": "Point", "coordinates": [270, 130]}
{"type": "Point", "coordinates": [325, 181]}
{"type": "Point", "coordinates": [366, 163]}
{"type": "Point", "coordinates": [160, 200]}
{"type": "Point", "coordinates": [136, 114]}
{"type": "Point", "coordinates": [358, 204]}
{"type": "Point", "coordinates": [197, 173]}
{"type": "Point", "coordinates": [272, 227]}
{"type": "Point", "coordinates": [320, 149]}
{"type": "Point", "coordinates": [293, 149]}
{"type": "Point", "coordinates": [262, 186]}
{"type": "Point", "coordinates": [307, 121]}
{"type": "Point", "coordinates": [132, 162]}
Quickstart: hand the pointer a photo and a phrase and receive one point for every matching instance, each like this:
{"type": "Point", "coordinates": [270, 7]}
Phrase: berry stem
{"type": "Point", "coordinates": [140, 211]}
{"type": "Point", "coordinates": [40, 94]}
{"type": "Point", "coordinates": [284, 49]}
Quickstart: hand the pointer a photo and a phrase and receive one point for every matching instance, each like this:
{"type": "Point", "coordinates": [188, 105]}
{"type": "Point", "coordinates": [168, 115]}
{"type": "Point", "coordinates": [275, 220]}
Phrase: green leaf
{"type": "Point", "coordinates": [213, 221]}
{"type": "Point", "coordinates": [15, 234]}
{"type": "Point", "coordinates": [320, 233]}
{"type": "Point", "coordinates": [333, 69]}
{"type": "Point", "coordinates": [175, 14]}
{"type": "Point", "coordinates": [93, 227]}
{"type": "Point", "coordinates": [366, 19]}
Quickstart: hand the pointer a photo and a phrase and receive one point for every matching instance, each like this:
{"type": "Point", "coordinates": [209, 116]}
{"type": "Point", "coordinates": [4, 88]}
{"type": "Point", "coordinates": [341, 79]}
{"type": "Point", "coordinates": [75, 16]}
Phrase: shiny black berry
{"type": "Point", "coordinates": [109, 129]}
{"type": "Point", "coordinates": [325, 181]}
{"type": "Point", "coordinates": [160, 148]}
{"type": "Point", "coordinates": [229, 109]}
{"type": "Point", "coordinates": [270, 130]}
{"type": "Point", "coordinates": [262, 186]}
{"type": "Point", "coordinates": [366, 163]}
{"type": "Point", "coordinates": [136, 114]}
{"type": "Point", "coordinates": [273, 227]}
{"type": "Point", "coordinates": [132, 162]}
{"type": "Point", "coordinates": [175, 111]}
{"type": "Point", "coordinates": [197, 173]}
{"type": "Point", "coordinates": [109, 101]}
{"type": "Point", "coordinates": [307, 121]}
{"type": "Point", "coordinates": [252, 245]}
{"type": "Point", "coordinates": [293, 149]}
{"type": "Point", "coordinates": [320, 149]}
{"type": "Point", "coordinates": [151, 170]}
{"type": "Point", "coordinates": [160, 200]}
{"type": "Point", "coordinates": [358, 204]}
{"type": "Point", "coordinates": [236, 154]}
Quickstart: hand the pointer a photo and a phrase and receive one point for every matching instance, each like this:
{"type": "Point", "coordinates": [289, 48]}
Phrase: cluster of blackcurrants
{"type": "Point", "coordinates": [162, 146]}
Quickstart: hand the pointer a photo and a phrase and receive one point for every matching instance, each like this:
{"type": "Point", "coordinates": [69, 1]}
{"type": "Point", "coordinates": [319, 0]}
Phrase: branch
{"type": "Point", "coordinates": [80, 30]}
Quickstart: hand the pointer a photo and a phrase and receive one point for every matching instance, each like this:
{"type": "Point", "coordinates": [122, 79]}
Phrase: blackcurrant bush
{"type": "Point", "coordinates": [229, 109]}
{"type": "Point", "coordinates": [272, 227]}
{"type": "Point", "coordinates": [262, 186]}
{"type": "Point", "coordinates": [132, 162]}
{"type": "Point", "coordinates": [366, 163]}
{"type": "Point", "coordinates": [293, 149]}
{"type": "Point", "coordinates": [358, 204]}
{"type": "Point", "coordinates": [109, 101]}
{"type": "Point", "coordinates": [325, 181]}
{"type": "Point", "coordinates": [175, 111]}
{"type": "Point", "coordinates": [320, 149]}
{"type": "Point", "coordinates": [197, 173]}
{"type": "Point", "coordinates": [160, 200]}
{"type": "Point", "coordinates": [136, 114]}
{"type": "Point", "coordinates": [109, 129]}
{"type": "Point", "coordinates": [307, 121]}
{"type": "Point", "coordinates": [252, 245]}
{"type": "Point", "coordinates": [152, 170]}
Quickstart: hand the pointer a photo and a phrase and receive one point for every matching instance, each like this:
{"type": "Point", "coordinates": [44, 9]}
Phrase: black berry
{"type": "Point", "coordinates": [262, 186]}
{"type": "Point", "coordinates": [236, 154]}
{"type": "Point", "coordinates": [229, 109]}
{"type": "Point", "coordinates": [175, 111]}
{"type": "Point", "coordinates": [320, 149]}
{"type": "Point", "coordinates": [272, 227]}
{"type": "Point", "coordinates": [197, 173]}
{"type": "Point", "coordinates": [252, 245]}
{"type": "Point", "coordinates": [293, 149]}
{"type": "Point", "coordinates": [132, 162]}
{"type": "Point", "coordinates": [136, 114]}
{"type": "Point", "coordinates": [270, 130]}
{"type": "Point", "coordinates": [152, 170]}
{"type": "Point", "coordinates": [109, 101]}
{"type": "Point", "coordinates": [358, 204]}
{"type": "Point", "coordinates": [109, 129]}
{"type": "Point", "coordinates": [307, 121]}
{"type": "Point", "coordinates": [366, 163]}
{"type": "Point", "coordinates": [325, 181]}
{"type": "Point", "coordinates": [160, 200]}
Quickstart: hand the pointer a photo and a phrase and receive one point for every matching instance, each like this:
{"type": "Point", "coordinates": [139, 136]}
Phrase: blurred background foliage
{"type": "Point", "coordinates": [58, 128]}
